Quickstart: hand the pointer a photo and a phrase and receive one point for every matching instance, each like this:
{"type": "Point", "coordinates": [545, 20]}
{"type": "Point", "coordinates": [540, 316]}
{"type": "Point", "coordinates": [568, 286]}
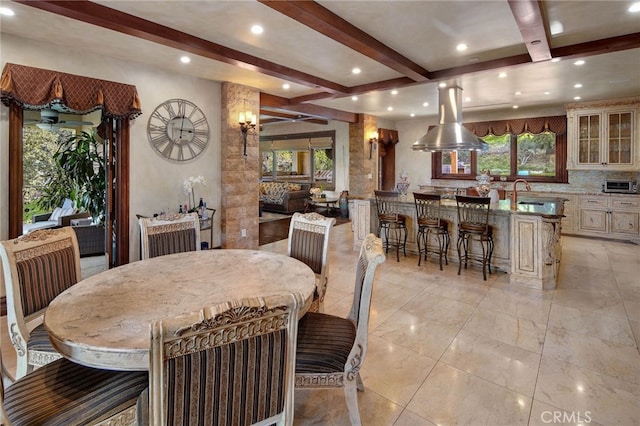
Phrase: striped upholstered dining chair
{"type": "Point", "coordinates": [37, 267]}
{"type": "Point", "coordinates": [331, 349]}
{"type": "Point", "coordinates": [309, 236]}
{"type": "Point", "coordinates": [65, 393]}
{"type": "Point", "coordinates": [230, 364]}
{"type": "Point", "coordinates": [168, 234]}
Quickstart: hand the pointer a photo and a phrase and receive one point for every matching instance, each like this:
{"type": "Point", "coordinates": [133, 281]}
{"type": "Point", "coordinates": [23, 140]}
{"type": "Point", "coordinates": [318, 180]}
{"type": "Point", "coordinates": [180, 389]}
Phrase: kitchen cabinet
{"type": "Point", "coordinates": [604, 135]}
{"type": "Point", "coordinates": [610, 216]}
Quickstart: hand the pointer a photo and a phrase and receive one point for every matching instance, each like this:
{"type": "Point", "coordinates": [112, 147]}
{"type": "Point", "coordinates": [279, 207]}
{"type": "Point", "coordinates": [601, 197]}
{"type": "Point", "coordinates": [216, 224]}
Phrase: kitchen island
{"type": "Point", "coordinates": [526, 238]}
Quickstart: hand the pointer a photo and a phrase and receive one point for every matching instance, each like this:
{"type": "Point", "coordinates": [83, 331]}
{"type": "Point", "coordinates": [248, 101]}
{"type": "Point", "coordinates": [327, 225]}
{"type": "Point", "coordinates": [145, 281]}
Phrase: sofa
{"type": "Point", "coordinates": [283, 197]}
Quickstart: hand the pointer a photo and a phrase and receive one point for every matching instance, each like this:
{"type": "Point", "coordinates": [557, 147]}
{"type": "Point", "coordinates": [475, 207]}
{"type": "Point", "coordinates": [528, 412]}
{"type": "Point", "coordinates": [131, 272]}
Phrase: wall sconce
{"type": "Point", "coordinates": [373, 140]}
{"type": "Point", "coordinates": [247, 121]}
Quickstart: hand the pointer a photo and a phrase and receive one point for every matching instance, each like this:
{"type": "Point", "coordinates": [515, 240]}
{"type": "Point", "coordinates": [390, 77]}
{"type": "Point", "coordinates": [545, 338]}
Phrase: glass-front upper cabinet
{"type": "Point", "coordinates": [604, 136]}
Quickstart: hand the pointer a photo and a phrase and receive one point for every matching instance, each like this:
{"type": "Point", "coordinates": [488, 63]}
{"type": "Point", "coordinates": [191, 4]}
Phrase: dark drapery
{"type": "Point", "coordinates": [36, 88]}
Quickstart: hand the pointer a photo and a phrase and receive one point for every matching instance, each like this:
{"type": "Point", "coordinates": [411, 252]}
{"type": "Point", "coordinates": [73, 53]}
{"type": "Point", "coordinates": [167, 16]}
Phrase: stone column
{"type": "Point", "coordinates": [363, 171]}
{"type": "Point", "coordinates": [239, 174]}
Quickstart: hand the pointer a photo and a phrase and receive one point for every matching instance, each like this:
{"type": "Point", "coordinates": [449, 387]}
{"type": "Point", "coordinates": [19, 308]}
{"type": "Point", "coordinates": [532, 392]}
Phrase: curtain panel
{"type": "Point", "coordinates": [36, 88]}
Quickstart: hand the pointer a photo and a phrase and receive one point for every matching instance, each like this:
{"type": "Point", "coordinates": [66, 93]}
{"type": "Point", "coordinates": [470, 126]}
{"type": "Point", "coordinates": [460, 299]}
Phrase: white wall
{"type": "Point", "coordinates": [156, 184]}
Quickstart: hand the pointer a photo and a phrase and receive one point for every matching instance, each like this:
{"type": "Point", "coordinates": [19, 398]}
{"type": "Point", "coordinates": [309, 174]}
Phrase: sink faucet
{"type": "Point", "coordinates": [514, 194]}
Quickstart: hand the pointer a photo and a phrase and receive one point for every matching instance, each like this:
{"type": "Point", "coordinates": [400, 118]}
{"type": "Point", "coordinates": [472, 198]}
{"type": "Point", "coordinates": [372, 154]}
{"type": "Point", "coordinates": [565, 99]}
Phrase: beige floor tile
{"type": "Point", "coordinates": [607, 304]}
{"type": "Point", "coordinates": [518, 305]}
{"type": "Point", "coordinates": [632, 308]}
{"type": "Point", "coordinates": [441, 309]}
{"type": "Point", "coordinates": [573, 389]}
{"type": "Point", "coordinates": [592, 353]}
{"type": "Point", "coordinates": [544, 415]}
{"type": "Point", "coordinates": [393, 371]}
{"type": "Point", "coordinates": [422, 335]}
{"type": "Point", "coordinates": [409, 418]}
{"type": "Point", "coordinates": [635, 327]}
{"type": "Point", "coordinates": [520, 332]}
{"type": "Point", "coordinates": [451, 288]}
{"type": "Point", "coordinates": [606, 327]}
{"type": "Point", "coordinates": [451, 396]}
{"type": "Point", "coordinates": [492, 360]}
{"type": "Point", "coordinates": [324, 407]}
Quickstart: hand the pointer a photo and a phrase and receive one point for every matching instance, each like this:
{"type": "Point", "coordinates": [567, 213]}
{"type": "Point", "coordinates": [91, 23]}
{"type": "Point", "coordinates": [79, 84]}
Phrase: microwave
{"type": "Point", "coordinates": [620, 186]}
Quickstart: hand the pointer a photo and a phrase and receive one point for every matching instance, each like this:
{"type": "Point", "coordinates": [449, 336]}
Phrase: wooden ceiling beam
{"type": "Point", "coordinates": [531, 20]}
{"type": "Point", "coordinates": [115, 20]}
{"type": "Point", "coordinates": [321, 19]}
{"type": "Point", "coordinates": [283, 104]}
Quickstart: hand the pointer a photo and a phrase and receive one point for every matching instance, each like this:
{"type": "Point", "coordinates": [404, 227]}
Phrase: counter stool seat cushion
{"type": "Point", "coordinates": [66, 393]}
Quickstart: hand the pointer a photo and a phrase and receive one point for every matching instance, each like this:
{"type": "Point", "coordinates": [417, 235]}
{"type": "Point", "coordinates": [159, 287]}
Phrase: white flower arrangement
{"type": "Point", "coordinates": [188, 186]}
{"type": "Point", "coordinates": [315, 191]}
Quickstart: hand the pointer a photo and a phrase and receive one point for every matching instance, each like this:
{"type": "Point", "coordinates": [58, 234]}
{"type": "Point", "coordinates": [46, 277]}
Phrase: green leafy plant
{"type": "Point", "coordinates": [80, 175]}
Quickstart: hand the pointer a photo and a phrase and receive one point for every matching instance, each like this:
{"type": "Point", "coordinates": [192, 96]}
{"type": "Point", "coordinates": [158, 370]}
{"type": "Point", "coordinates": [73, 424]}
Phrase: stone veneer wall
{"type": "Point", "coordinates": [239, 174]}
{"type": "Point", "coordinates": [360, 166]}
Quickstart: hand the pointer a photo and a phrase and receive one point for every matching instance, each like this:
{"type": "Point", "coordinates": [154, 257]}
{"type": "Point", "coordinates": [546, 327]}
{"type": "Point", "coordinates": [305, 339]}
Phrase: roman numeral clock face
{"type": "Point", "coordinates": [178, 130]}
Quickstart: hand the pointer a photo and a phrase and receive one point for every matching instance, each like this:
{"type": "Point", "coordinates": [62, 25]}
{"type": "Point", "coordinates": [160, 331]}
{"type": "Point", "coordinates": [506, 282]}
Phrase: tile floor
{"type": "Point", "coordinates": [447, 349]}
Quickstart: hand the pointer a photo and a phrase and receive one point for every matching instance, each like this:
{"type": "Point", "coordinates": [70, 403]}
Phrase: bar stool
{"type": "Point", "coordinates": [431, 223]}
{"type": "Point", "coordinates": [473, 224]}
{"type": "Point", "coordinates": [391, 221]}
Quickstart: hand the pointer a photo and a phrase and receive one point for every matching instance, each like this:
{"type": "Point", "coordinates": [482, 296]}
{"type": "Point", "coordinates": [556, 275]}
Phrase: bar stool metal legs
{"type": "Point", "coordinates": [395, 235]}
{"type": "Point", "coordinates": [392, 225]}
{"type": "Point", "coordinates": [430, 223]}
{"type": "Point", "coordinates": [473, 224]}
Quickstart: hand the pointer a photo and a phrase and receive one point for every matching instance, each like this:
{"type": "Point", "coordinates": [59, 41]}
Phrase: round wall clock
{"type": "Point", "coordinates": [178, 130]}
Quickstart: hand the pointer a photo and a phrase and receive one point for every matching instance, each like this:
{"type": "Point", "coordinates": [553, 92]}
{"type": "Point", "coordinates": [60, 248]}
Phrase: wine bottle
{"type": "Point", "coordinates": [205, 214]}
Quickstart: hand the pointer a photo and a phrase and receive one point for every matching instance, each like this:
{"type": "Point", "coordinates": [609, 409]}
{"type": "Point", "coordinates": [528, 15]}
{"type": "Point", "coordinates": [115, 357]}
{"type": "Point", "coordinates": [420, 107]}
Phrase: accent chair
{"type": "Point", "coordinates": [309, 236]}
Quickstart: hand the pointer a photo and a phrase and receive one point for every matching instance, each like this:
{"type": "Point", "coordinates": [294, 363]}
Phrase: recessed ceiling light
{"type": "Point", "coordinates": [518, 93]}
{"type": "Point", "coordinates": [461, 47]}
{"type": "Point", "coordinates": [576, 98]}
{"type": "Point", "coordinates": [426, 104]}
{"type": "Point", "coordinates": [467, 99]}
{"type": "Point", "coordinates": [354, 98]}
{"type": "Point", "coordinates": [577, 85]}
{"type": "Point", "coordinates": [286, 86]}
{"type": "Point", "coordinates": [6, 11]}
{"type": "Point", "coordinates": [356, 71]}
{"type": "Point", "coordinates": [389, 108]}
{"type": "Point", "coordinates": [412, 115]}
{"type": "Point", "coordinates": [579, 62]}
{"type": "Point", "coordinates": [556, 27]}
{"type": "Point", "coordinates": [515, 107]}
{"type": "Point", "coordinates": [185, 59]}
{"type": "Point", "coordinates": [502, 75]}
{"type": "Point", "coordinates": [547, 93]}
{"type": "Point", "coordinates": [635, 7]}
{"type": "Point", "coordinates": [443, 84]}
{"type": "Point", "coordinates": [555, 60]}
{"type": "Point", "coordinates": [257, 29]}
{"type": "Point", "coordinates": [394, 92]}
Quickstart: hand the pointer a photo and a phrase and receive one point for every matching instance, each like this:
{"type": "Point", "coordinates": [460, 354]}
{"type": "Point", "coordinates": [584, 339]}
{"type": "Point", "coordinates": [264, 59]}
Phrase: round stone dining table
{"type": "Point", "coordinates": [103, 321]}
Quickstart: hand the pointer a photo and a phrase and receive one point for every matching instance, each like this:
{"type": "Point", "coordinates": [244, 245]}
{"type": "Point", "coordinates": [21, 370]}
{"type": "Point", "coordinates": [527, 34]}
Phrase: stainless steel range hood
{"type": "Point", "coordinates": [449, 134]}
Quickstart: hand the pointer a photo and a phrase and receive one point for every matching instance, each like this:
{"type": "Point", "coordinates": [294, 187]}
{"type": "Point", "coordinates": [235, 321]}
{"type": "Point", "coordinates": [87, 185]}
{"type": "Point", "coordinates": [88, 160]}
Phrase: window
{"type": "Point", "coordinates": [535, 148]}
{"type": "Point", "coordinates": [304, 158]}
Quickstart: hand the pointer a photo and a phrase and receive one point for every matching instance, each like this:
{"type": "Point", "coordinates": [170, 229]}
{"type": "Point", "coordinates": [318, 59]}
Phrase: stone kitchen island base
{"type": "Point", "coordinates": [526, 239]}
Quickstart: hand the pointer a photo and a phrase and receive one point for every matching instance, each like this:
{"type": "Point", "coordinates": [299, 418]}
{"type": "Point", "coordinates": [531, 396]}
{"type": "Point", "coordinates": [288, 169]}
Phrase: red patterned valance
{"type": "Point", "coordinates": [36, 88]}
{"type": "Point", "coordinates": [556, 124]}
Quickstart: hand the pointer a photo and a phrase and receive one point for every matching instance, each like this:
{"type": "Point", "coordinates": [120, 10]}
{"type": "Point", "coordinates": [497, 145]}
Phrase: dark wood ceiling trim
{"type": "Point", "coordinates": [598, 47]}
{"type": "Point", "coordinates": [279, 103]}
{"type": "Point", "coordinates": [321, 19]}
{"type": "Point", "coordinates": [115, 20]}
{"type": "Point", "coordinates": [531, 20]}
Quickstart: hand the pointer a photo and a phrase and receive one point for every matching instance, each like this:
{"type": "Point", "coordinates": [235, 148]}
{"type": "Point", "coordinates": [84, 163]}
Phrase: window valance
{"type": "Point", "coordinates": [36, 88]}
{"type": "Point", "coordinates": [555, 124]}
